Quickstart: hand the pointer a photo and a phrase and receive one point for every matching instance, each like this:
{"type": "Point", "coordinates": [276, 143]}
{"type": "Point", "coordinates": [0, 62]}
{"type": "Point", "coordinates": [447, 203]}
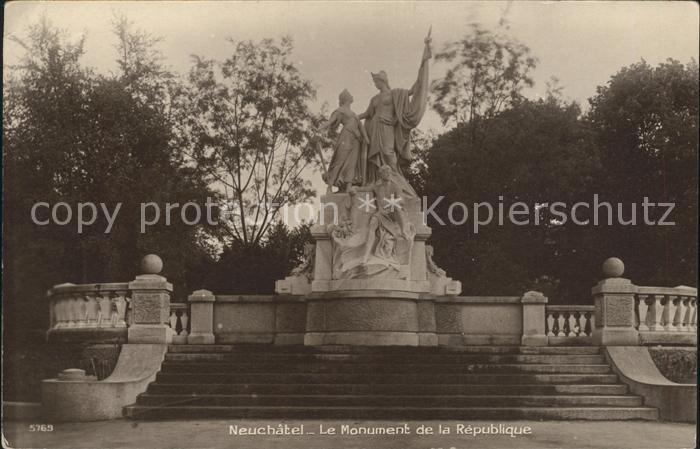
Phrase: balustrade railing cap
{"type": "Point", "coordinates": [533, 297]}
{"type": "Point", "coordinates": [86, 288]}
{"type": "Point", "coordinates": [689, 290]}
{"type": "Point", "coordinates": [614, 285]}
{"type": "Point", "coordinates": [150, 282]}
{"type": "Point", "coordinates": [68, 288]}
{"type": "Point", "coordinates": [201, 296]}
{"type": "Point", "coordinates": [59, 288]}
{"type": "Point", "coordinates": [662, 291]}
{"type": "Point", "coordinates": [114, 286]}
{"type": "Point", "coordinates": [570, 308]}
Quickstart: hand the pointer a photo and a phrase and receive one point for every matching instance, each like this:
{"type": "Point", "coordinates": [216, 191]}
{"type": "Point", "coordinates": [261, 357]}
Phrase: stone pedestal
{"type": "Point", "coordinates": [201, 317]}
{"type": "Point", "coordinates": [363, 318]}
{"type": "Point", "coordinates": [357, 297]}
{"type": "Point", "coordinates": [427, 325]}
{"type": "Point", "coordinates": [150, 310]}
{"type": "Point", "coordinates": [416, 274]}
{"type": "Point", "coordinates": [533, 319]}
{"type": "Point", "coordinates": [614, 308]}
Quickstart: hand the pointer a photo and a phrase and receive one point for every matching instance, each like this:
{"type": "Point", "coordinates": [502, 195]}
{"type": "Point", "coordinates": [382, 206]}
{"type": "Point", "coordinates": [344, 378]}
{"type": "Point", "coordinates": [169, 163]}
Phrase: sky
{"type": "Point", "coordinates": [337, 44]}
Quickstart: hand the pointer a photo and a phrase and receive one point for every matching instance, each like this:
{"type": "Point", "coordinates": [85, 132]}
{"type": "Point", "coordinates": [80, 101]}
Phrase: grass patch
{"type": "Point", "coordinates": [677, 364]}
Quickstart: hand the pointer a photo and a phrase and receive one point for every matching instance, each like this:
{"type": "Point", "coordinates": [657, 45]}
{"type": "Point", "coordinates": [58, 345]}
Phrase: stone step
{"type": "Point", "coordinates": [412, 350]}
{"type": "Point", "coordinates": [295, 378]}
{"type": "Point", "coordinates": [408, 368]}
{"type": "Point", "coordinates": [387, 400]}
{"type": "Point", "coordinates": [388, 389]}
{"type": "Point", "coordinates": [456, 358]}
{"type": "Point", "coordinates": [553, 350]}
{"type": "Point", "coordinates": [393, 413]}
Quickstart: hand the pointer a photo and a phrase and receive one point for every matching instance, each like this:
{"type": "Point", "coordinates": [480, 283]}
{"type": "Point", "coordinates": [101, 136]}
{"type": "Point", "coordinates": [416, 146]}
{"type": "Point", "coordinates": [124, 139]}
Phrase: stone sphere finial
{"type": "Point", "coordinates": [151, 264]}
{"type": "Point", "coordinates": [613, 268]}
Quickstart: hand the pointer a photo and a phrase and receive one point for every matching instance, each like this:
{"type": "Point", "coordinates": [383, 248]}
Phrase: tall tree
{"type": "Point", "coordinates": [646, 121]}
{"type": "Point", "coordinates": [487, 73]}
{"type": "Point", "coordinates": [74, 136]}
{"type": "Point", "coordinates": [43, 101]}
{"type": "Point", "coordinates": [250, 269]}
{"type": "Point", "coordinates": [535, 152]}
{"type": "Point", "coordinates": [246, 124]}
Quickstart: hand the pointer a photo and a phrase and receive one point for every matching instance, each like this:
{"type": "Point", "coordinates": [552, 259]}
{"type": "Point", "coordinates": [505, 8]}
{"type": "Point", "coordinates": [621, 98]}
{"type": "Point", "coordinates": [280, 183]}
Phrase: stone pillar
{"type": "Point", "coordinates": [533, 319]}
{"type": "Point", "coordinates": [201, 317]}
{"type": "Point", "coordinates": [427, 326]}
{"type": "Point", "coordinates": [614, 307]}
{"type": "Point", "coordinates": [323, 263]}
{"type": "Point", "coordinates": [150, 304]}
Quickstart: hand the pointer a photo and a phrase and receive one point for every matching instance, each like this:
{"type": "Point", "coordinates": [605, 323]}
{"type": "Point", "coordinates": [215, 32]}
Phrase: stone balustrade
{"type": "Point", "coordinates": [140, 311]}
{"type": "Point", "coordinates": [77, 309]}
{"type": "Point", "coordinates": [630, 315]}
{"type": "Point", "coordinates": [137, 311]}
{"type": "Point", "coordinates": [569, 321]}
{"type": "Point", "coordinates": [666, 309]}
{"type": "Point", "coordinates": [662, 312]}
{"type": "Point", "coordinates": [179, 322]}
{"type": "Point", "coordinates": [569, 324]}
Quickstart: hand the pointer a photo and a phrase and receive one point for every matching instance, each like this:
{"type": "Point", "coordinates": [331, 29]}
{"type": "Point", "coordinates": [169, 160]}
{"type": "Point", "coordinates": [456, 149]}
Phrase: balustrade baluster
{"type": "Point", "coordinates": [119, 309]}
{"type": "Point", "coordinates": [60, 311]}
{"type": "Point", "coordinates": [82, 311]}
{"type": "Point", "coordinates": [656, 312]}
{"type": "Point", "coordinates": [74, 309]}
{"type": "Point", "coordinates": [105, 310]}
{"type": "Point", "coordinates": [53, 310]}
{"type": "Point", "coordinates": [588, 328]}
{"type": "Point", "coordinates": [550, 323]}
{"type": "Point", "coordinates": [577, 323]}
{"type": "Point", "coordinates": [567, 323]}
{"type": "Point", "coordinates": [172, 321]}
{"type": "Point", "coordinates": [92, 310]}
{"type": "Point", "coordinates": [560, 324]}
{"type": "Point", "coordinates": [184, 319]}
{"type": "Point", "coordinates": [643, 310]}
{"type": "Point", "coordinates": [128, 313]}
{"type": "Point", "coordinates": [682, 308]}
{"type": "Point", "coordinates": [687, 325]}
{"type": "Point", "coordinates": [670, 313]}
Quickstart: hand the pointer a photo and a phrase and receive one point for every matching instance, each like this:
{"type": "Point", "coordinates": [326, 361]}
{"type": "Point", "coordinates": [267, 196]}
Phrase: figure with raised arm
{"type": "Point", "coordinates": [391, 115]}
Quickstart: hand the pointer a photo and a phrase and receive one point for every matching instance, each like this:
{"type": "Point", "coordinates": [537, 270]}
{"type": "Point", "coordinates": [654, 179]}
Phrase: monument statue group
{"type": "Point", "coordinates": [365, 168]}
{"type": "Point", "coordinates": [371, 242]}
{"type": "Point", "coordinates": [360, 152]}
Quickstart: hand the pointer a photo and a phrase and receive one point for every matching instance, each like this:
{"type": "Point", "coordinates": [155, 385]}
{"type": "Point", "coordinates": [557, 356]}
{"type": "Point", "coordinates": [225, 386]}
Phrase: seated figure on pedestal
{"type": "Point", "coordinates": [380, 244]}
{"type": "Point", "coordinates": [389, 235]}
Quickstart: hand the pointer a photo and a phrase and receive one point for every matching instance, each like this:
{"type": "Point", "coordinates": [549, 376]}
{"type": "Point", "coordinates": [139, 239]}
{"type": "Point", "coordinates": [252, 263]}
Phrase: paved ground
{"type": "Point", "coordinates": [215, 434]}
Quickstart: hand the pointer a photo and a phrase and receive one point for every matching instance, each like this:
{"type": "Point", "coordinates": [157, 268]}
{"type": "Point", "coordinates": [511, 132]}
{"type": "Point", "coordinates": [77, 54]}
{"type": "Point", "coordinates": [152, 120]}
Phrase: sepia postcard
{"type": "Point", "coordinates": [350, 224]}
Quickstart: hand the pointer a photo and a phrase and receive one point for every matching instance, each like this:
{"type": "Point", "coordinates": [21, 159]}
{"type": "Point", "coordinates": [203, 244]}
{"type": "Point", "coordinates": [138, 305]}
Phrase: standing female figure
{"type": "Point", "coordinates": [346, 167]}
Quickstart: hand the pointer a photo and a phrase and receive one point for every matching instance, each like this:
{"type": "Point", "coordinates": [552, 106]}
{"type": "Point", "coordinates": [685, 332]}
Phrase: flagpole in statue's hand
{"type": "Point", "coordinates": [427, 51]}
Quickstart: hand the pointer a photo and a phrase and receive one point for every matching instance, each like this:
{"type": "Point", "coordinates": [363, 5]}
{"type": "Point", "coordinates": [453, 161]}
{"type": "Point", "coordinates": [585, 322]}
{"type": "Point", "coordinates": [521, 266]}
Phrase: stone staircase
{"type": "Point", "coordinates": [336, 382]}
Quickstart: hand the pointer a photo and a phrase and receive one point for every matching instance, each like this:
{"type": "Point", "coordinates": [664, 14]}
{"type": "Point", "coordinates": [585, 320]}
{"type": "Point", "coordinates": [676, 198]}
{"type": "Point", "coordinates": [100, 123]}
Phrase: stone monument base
{"type": "Point", "coordinates": [369, 318]}
{"type": "Point", "coordinates": [366, 284]}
